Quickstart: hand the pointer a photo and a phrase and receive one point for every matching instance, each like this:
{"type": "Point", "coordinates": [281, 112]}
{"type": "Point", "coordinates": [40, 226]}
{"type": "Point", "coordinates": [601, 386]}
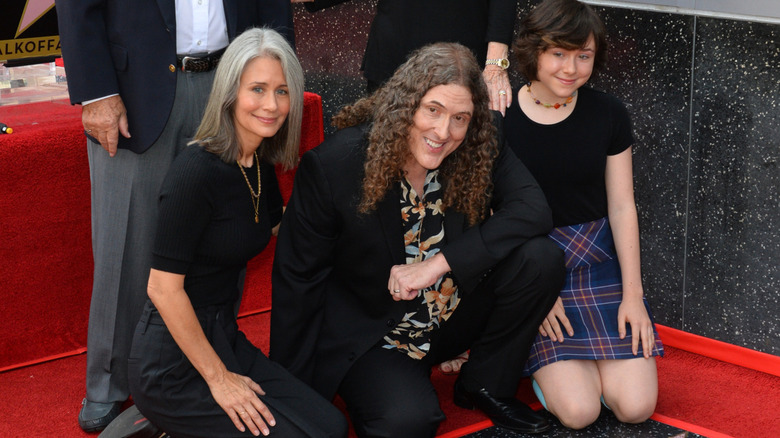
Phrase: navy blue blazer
{"type": "Point", "coordinates": [129, 48]}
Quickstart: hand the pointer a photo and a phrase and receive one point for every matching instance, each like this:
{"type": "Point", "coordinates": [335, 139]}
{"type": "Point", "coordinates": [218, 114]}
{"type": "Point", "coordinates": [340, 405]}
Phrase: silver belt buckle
{"type": "Point", "coordinates": [184, 62]}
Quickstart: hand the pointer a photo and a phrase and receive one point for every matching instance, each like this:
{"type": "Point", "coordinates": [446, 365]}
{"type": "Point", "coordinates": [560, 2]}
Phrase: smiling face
{"type": "Point", "coordinates": [440, 126]}
{"type": "Point", "coordinates": [562, 71]}
{"type": "Point", "coordinates": [262, 102]}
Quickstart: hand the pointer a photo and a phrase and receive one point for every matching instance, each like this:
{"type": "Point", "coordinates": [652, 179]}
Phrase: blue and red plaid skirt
{"type": "Point", "coordinates": [591, 297]}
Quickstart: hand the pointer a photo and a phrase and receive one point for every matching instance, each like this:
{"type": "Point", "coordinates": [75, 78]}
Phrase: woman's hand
{"type": "Point", "coordinates": [406, 280]}
{"type": "Point", "coordinates": [497, 79]}
{"type": "Point", "coordinates": [632, 311]}
{"type": "Point", "coordinates": [551, 327]}
{"type": "Point", "coordinates": [499, 90]}
{"type": "Point", "coordinates": [237, 396]}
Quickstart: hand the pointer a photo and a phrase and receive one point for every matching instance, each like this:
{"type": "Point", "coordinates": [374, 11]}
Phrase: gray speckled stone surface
{"type": "Point", "coordinates": [703, 96]}
{"type": "Point", "coordinates": [330, 45]}
{"type": "Point", "coordinates": [732, 286]}
{"type": "Point", "coordinates": [607, 426]}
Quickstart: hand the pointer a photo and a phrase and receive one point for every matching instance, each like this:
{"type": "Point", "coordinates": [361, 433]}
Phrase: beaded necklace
{"type": "Point", "coordinates": [555, 105]}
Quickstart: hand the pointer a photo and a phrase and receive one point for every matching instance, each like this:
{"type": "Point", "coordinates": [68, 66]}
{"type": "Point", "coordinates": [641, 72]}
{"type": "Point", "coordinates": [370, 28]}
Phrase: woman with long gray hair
{"type": "Point", "coordinates": [192, 371]}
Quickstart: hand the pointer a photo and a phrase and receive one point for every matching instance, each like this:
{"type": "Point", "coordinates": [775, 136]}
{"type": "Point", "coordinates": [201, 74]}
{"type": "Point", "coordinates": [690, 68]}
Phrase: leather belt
{"type": "Point", "coordinates": [199, 64]}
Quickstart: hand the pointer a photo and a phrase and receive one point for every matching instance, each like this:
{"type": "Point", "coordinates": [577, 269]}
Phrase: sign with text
{"type": "Point", "coordinates": [28, 29]}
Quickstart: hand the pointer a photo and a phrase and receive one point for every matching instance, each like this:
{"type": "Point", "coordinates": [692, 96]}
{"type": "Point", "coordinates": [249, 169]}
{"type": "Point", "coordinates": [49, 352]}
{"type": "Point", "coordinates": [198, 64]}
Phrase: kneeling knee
{"type": "Point", "coordinates": [406, 423]}
{"type": "Point", "coordinates": [578, 415]}
{"type": "Point", "coordinates": [634, 413]}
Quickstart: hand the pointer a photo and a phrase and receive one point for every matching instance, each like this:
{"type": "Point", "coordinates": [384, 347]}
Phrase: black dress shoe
{"type": "Point", "coordinates": [132, 424]}
{"type": "Point", "coordinates": [509, 413]}
{"type": "Point", "coordinates": [95, 416]}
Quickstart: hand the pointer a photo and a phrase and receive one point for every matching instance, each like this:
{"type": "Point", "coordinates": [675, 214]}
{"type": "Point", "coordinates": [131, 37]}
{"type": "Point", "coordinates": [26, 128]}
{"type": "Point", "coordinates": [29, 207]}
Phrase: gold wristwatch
{"type": "Point", "coordinates": [503, 62]}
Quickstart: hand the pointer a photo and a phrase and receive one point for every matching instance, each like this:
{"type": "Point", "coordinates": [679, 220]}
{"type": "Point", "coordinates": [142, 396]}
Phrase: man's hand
{"type": "Point", "coordinates": [103, 120]}
{"type": "Point", "coordinates": [406, 281]}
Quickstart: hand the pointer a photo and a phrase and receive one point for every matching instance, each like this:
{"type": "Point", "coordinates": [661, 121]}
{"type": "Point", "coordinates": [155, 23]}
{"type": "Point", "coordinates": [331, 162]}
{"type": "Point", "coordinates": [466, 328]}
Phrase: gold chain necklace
{"type": "Point", "coordinates": [255, 196]}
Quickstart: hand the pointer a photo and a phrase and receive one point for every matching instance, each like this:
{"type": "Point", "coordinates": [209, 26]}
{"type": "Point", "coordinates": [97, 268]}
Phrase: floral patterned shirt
{"type": "Point", "coordinates": [423, 225]}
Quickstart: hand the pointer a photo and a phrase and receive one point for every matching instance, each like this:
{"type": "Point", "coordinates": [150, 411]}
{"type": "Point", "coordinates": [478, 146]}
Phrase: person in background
{"type": "Point", "coordinates": [142, 71]}
{"type": "Point", "coordinates": [192, 372]}
{"type": "Point", "coordinates": [598, 343]}
{"type": "Point", "coordinates": [388, 261]}
{"type": "Point", "coordinates": [401, 26]}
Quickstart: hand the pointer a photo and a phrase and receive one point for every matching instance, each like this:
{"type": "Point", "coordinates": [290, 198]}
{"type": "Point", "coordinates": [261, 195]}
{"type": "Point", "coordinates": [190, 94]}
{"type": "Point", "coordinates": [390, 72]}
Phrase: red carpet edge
{"type": "Point", "coordinates": [41, 360]}
{"type": "Point", "coordinates": [688, 426]}
{"type": "Point", "coordinates": [722, 351]}
{"type": "Point", "coordinates": [457, 433]}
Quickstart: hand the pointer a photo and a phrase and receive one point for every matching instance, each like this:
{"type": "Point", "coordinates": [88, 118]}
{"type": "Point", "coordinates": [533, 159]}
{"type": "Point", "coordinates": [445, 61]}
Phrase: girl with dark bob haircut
{"type": "Point", "coordinates": [564, 24]}
{"type": "Point", "coordinates": [598, 343]}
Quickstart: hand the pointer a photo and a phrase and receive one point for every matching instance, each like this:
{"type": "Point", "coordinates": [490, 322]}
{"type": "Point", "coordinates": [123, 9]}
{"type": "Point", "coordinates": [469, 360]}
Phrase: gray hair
{"type": "Point", "coordinates": [217, 132]}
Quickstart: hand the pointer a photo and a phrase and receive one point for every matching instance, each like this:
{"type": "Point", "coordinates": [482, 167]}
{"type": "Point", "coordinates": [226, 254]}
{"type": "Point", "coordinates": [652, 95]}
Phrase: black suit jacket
{"type": "Point", "coordinates": [128, 47]}
{"type": "Point", "coordinates": [401, 26]}
{"type": "Point", "coordinates": [330, 297]}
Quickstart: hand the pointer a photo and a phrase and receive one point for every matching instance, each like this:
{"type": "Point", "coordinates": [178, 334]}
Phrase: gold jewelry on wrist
{"type": "Point", "coordinates": [501, 62]}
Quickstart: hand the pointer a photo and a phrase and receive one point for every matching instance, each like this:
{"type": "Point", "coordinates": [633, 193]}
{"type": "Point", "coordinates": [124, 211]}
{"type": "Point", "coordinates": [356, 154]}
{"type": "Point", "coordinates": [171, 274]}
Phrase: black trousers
{"type": "Point", "coordinates": [389, 394]}
{"type": "Point", "coordinates": [170, 392]}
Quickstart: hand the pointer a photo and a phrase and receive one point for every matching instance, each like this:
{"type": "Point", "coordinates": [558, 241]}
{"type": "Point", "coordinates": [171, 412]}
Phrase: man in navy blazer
{"type": "Point", "coordinates": [142, 70]}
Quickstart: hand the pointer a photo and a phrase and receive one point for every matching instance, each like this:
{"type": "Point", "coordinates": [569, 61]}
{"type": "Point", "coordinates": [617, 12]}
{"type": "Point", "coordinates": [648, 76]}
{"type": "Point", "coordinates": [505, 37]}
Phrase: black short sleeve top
{"type": "Point", "coordinates": [568, 159]}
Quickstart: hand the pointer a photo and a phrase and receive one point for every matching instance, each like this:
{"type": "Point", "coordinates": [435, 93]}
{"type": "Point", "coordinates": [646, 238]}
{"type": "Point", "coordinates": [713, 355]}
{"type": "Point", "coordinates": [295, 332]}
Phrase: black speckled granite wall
{"type": "Point", "coordinates": [703, 94]}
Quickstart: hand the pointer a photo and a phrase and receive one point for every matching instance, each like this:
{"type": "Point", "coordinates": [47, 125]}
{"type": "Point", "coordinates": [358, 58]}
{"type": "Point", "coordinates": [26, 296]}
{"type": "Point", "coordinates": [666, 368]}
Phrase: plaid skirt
{"type": "Point", "coordinates": [591, 297]}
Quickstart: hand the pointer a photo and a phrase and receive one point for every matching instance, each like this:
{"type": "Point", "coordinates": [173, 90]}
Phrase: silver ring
{"type": "Point", "coordinates": [397, 291]}
{"type": "Point", "coordinates": [502, 93]}
{"type": "Point", "coordinates": [88, 131]}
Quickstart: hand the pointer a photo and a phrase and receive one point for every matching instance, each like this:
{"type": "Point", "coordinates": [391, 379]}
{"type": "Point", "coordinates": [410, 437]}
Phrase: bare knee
{"type": "Point", "coordinates": [630, 388]}
{"type": "Point", "coordinates": [576, 414]}
{"type": "Point", "coordinates": [633, 411]}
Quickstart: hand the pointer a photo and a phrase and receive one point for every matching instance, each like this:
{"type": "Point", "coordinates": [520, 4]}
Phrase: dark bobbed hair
{"type": "Point", "coordinates": [466, 172]}
{"type": "Point", "coordinates": [558, 23]}
{"type": "Point", "coordinates": [217, 131]}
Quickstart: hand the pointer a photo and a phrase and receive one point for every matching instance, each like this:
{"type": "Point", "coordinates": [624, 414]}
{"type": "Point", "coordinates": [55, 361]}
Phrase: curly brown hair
{"type": "Point", "coordinates": [558, 23]}
{"type": "Point", "coordinates": [466, 172]}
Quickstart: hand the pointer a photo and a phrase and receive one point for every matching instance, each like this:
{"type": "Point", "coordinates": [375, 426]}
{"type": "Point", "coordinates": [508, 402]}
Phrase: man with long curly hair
{"type": "Point", "coordinates": [411, 236]}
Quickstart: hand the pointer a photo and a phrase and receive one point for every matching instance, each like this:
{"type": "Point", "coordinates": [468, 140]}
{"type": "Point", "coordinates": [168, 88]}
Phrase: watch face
{"type": "Point", "coordinates": [503, 62]}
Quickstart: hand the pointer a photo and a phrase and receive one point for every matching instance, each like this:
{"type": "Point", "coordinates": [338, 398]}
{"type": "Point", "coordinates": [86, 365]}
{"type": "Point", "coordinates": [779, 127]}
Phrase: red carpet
{"type": "Point", "coordinates": [45, 237]}
{"type": "Point", "coordinates": [44, 400]}
{"type": "Point", "coordinates": [717, 395]}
